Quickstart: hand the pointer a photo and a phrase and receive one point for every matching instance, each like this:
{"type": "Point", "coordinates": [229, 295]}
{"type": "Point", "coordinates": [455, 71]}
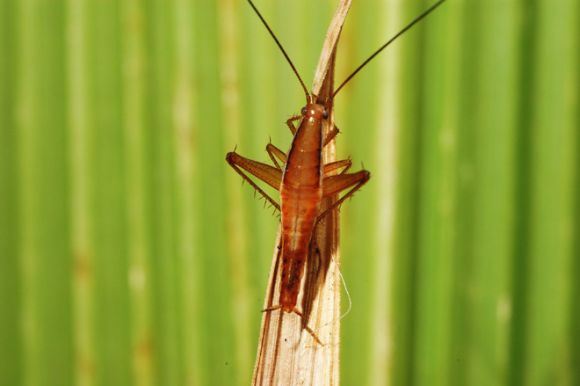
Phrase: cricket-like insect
{"type": "Point", "coordinates": [302, 179]}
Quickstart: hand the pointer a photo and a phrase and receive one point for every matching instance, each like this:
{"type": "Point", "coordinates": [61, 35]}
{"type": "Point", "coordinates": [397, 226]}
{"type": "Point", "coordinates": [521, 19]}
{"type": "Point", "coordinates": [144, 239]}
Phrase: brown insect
{"type": "Point", "coordinates": [303, 180]}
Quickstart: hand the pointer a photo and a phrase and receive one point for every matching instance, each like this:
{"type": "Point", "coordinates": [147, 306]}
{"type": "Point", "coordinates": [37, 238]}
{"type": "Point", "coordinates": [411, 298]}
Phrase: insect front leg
{"type": "Point", "coordinates": [264, 172]}
{"type": "Point", "coordinates": [290, 123]}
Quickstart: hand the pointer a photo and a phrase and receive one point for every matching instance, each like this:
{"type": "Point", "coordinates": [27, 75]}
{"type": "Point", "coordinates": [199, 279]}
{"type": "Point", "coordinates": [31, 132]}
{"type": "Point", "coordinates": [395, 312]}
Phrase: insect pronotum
{"type": "Point", "coordinates": [303, 180]}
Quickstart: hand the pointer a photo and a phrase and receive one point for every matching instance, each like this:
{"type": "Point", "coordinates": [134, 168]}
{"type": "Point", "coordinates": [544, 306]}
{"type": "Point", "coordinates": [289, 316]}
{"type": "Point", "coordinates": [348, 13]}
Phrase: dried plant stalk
{"type": "Point", "coordinates": [287, 353]}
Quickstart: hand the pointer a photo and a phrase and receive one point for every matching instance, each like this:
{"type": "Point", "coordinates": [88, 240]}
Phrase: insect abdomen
{"type": "Point", "coordinates": [300, 194]}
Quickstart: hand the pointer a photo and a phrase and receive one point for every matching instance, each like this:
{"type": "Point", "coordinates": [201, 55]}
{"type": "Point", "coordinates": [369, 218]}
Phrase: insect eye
{"type": "Point", "coordinates": [325, 114]}
{"type": "Point", "coordinates": [303, 111]}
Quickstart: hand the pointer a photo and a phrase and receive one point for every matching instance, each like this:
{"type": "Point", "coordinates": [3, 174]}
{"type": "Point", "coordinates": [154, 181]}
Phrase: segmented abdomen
{"type": "Point", "coordinates": [301, 194]}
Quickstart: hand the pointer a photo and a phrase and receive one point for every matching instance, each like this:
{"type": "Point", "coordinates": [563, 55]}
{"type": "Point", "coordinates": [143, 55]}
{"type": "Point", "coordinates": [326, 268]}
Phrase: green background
{"type": "Point", "coordinates": [130, 253]}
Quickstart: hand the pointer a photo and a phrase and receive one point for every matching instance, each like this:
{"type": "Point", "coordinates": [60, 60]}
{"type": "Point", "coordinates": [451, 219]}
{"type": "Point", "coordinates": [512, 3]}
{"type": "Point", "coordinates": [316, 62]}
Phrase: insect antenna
{"type": "Point", "coordinates": [281, 48]}
{"type": "Point", "coordinates": [411, 24]}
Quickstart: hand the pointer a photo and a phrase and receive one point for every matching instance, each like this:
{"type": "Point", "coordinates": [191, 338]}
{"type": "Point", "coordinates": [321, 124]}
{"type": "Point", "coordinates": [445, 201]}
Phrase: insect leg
{"type": "Point", "coordinates": [332, 166]}
{"type": "Point", "coordinates": [331, 134]}
{"type": "Point", "coordinates": [264, 172]}
{"type": "Point", "coordinates": [290, 122]}
{"type": "Point", "coordinates": [297, 312]}
{"type": "Point", "coordinates": [336, 184]}
{"type": "Point", "coordinates": [310, 331]}
{"type": "Point", "coordinates": [274, 153]}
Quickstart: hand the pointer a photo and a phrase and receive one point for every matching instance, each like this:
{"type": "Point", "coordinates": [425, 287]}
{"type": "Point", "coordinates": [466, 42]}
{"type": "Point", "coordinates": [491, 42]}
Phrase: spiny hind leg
{"type": "Point", "coordinates": [336, 184]}
{"type": "Point", "coordinates": [264, 172]}
{"type": "Point", "coordinates": [304, 326]}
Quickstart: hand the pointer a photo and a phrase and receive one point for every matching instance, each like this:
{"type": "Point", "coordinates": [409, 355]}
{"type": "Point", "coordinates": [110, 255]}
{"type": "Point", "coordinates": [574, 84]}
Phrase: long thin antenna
{"type": "Point", "coordinates": [281, 48]}
{"type": "Point", "coordinates": [411, 24]}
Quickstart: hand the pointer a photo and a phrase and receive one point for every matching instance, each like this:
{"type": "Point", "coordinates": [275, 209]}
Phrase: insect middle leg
{"type": "Point", "coordinates": [277, 155]}
{"type": "Point", "coordinates": [344, 164]}
{"type": "Point", "coordinates": [337, 183]}
{"type": "Point", "coordinates": [273, 153]}
{"type": "Point", "coordinates": [330, 135]}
